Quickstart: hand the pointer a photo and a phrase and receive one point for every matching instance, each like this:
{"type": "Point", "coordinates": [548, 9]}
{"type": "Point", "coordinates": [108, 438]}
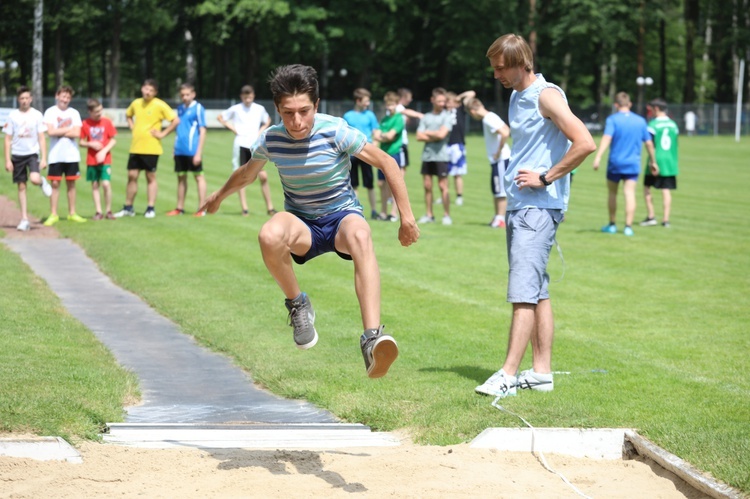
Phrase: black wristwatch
{"type": "Point", "coordinates": [543, 179]}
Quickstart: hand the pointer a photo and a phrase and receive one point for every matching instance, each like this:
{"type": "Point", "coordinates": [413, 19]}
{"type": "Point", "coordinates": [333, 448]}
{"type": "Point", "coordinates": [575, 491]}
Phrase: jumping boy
{"type": "Point", "coordinates": [312, 153]}
{"type": "Point", "coordinates": [97, 134]}
{"type": "Point", "coordinates": [63, 127]}
{"type": "Point", "coordinates": [24, 141]}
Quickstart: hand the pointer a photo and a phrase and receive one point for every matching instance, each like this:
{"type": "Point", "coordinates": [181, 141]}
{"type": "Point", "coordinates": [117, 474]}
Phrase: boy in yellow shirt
{"type": "Point", "coordinates": [145, 116]}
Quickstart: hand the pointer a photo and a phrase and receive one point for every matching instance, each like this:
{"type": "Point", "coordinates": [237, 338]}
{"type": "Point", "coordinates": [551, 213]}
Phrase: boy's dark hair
{"type": "Point", "coordinates": [659, 103]}
{"type": "Point", "coordinates": [404, 91]}
{"type": "Point", "coordinates": [92, 104]}
{"type": "Point", "coordinates": [361, 93]}
{"type": "Point", "coordinates": [187, 86]}
{"type": "Point", "coordinates": [152, 83]}
{"type": "Point", "coordinates": [247, 89]}
{"type": "Point", "coordinates": [22, 90]}
{"type": "Point", "coordinates": [65, 89]}
{"type": "Point", "coordinates": [294, 79]}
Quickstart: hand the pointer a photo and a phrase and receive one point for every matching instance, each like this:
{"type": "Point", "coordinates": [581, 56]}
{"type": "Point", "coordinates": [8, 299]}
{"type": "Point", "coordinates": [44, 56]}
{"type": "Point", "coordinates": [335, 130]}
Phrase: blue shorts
{"type": "Point", "coordinates": [323, 233]}
{"type": "Point", "coordinates": [530, 234]}
{"type": "Point", "coordinates": [617, 177]}
{"type": "Point", "coordinates": [457, 164]}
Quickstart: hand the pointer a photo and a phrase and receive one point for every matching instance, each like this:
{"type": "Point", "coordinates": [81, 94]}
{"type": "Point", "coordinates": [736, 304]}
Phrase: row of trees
{"type": "Point", "coordinates": [592, 48]}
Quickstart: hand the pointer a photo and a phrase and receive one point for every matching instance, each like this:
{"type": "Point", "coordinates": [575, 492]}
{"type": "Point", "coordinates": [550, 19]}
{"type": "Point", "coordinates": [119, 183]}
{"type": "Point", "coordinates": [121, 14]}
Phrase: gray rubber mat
{"type": "Point", "coordinates": [180, 381]}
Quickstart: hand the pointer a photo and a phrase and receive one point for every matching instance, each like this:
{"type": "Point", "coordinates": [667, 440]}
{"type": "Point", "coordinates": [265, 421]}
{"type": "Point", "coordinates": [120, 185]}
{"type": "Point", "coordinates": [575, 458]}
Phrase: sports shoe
{"type": "Point", "coordinates": [175, 212]}
{"type": "Point", "coordinates": [628, 231]}
{"type": "Point", "coordinates": [110, 216]}
{"type": "Point", "coordinates": [648, 222]}
{"type": "Point", "coordinates": [497, 223]}
{"type": "Point", "coordinates": [665, 225]}
{"type": "Point", "coordinates": [150, 213]}
{"type": "Point", "coordinates": [438, 200]}
{"type": "Point", "coordinates": [426, 219]}
{"type": "Point", "coordinates": [447, 220]}
{"type": "Point", "coordinates": [75, 217]}
{"type": "Point", "coordinates": [200, 213]}
{"type": "Point", "coordinates": [125, 212]}
{"type": "Point", "coordinates": [498, 385]}
{"type": "Point", "coordinates": [245, 213]}
{"type": "Point", "coordinates": [610, 229]}
{"type": "Point", "coordinates": [530, 380]}
{"type": "Point", "coordinates": [271, 212]}
{"type": "Point", "coordinates": [374, 215]}
{"type": "Point", "coordinates": [24, 225]}
{"type": "Point", "coordinates": [302, 318]}
{"type": "Point", "coordinates": [46, 187]}
{"type": "Point", "coordinates": [459, 200]}
{"type": "Point", "coordinates": [51, 220]}
{"type": "Point", "coordinates": [379, 351]}
{"type": "Point", "coordinates": [98, 216]}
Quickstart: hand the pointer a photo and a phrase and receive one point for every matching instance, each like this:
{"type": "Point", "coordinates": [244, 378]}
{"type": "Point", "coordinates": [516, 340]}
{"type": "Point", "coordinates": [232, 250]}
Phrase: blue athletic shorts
{"type": "Point", "coordinates": [323, 231]}
{"type": "Point", "coordinates": [617, 177]}
{"type": "Point", "coordinates": [530, 234]}
{"type": "Point", "coordinates": [457, 163]}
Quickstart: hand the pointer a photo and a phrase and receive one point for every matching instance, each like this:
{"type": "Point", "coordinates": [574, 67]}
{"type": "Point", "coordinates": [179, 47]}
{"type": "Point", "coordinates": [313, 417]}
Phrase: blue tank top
{"type": "Point", "coordinates": [538, 145]}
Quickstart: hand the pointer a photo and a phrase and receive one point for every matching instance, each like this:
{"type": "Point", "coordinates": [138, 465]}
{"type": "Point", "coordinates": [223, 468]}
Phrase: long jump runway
{"type": "Point", "coordinates": [185, 387]}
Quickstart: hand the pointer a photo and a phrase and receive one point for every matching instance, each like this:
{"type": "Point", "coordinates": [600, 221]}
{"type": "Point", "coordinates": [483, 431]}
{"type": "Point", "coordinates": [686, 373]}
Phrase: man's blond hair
{"type": "Point", "coordinates": [474, 104]}
{"type": "Point", "coordinates": [391, 98]}
{"type": "Point", "coordinates": [515, 51]}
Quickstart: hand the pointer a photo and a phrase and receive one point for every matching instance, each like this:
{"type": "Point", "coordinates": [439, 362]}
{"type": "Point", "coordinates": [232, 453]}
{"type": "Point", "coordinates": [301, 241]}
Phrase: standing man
{"type": "Point", "coordinates": [365, 121]}
{"type": "Point", "coordinates": [457, 168]}
{"type": "Point", "coordinates": [145, 116]}
{"type": "Point", "coordinates": [247, 120]}
{"type": "Point", "coordinates": [63, 127]}
{"type": "Point", "coordinates": [312, 153]}
{"type": "Point", "coordinates": [433, 130]}
{"type": "Point", "coordinates": [24, 142]}
{"type": "Point", "coordinates": [188, 148]}
{"type": "Point", "coordinates": [626, 132]}
{"type": "Point", "coordinates": [664, 176]}
{"type": "Point", "coordinates": [548, 142]}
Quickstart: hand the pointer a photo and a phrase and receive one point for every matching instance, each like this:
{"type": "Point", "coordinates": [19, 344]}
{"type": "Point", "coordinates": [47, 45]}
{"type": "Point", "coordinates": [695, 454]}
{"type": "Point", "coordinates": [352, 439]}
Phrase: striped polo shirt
{"type": "Point", "coordinates": [314, 171]}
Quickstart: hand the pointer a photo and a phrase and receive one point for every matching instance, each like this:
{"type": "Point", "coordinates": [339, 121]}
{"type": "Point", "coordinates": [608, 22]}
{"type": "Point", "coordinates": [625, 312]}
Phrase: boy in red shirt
{"type": "Point", "coordinates": [97, 134]}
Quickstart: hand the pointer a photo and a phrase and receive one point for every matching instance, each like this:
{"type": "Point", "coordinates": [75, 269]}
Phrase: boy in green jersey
{"type": "Point", "coordinates": [663, 175]}
{"type": "Point", "coordinates": [391, 132]}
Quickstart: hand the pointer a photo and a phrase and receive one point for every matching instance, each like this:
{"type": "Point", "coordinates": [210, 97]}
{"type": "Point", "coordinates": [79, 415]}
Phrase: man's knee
{"type": "Point", "coordinates": [271, 235]}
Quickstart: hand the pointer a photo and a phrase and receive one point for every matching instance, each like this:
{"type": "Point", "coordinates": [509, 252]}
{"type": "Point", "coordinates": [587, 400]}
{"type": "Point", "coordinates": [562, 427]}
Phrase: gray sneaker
{"type": "Point", "coordinates": [379, 351]}
{"type": "Point", "coordinates": [530, 380]}
{"type": "Point", "coordinates": [24, 226]}
{"type": "Point", "coordinates": [302, 318]}
{"type": "Point", "coordinates": [124, 212]}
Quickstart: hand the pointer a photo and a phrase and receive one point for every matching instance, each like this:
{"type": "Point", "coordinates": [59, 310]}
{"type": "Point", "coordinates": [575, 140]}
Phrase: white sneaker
{"type": "Point", "coordinates": [150, 214]}
{"type": "Point", "coordinates": [530, 380]}
{"type": "Point", "coordinates": [125, 213]}
{"type": "Point", "coordinates": [497, 223]}
{"type": "Point", "coordinates": [46, 187]}
{"type": "Point", "coordinates": [426, 219]}
{"type": "Point", "coordinates": [447, 220]}
{"type": "Point", "coordinates": [438, 200]}
{"type": "Point", "coordinates": [24, 225]}
{"type": "Point", "coordinates": [498, 385]}
{"type": "Point", "coordinates": [459, 200]}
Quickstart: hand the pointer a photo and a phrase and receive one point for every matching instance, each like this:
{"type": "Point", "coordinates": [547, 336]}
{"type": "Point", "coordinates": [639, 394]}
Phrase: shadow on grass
{"type": "Point", "coordinates": [474, 373]}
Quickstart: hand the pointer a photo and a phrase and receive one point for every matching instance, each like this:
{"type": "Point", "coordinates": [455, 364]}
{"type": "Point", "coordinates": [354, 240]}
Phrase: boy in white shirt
{"type": "Point", "coordinates": [64, 128]}
{"type": "Point", "coordinates": [24, 141]}
{"type": "Point", "coordinates": [247, 120]}
{"type": "Point", "coordinates": [496, 134]}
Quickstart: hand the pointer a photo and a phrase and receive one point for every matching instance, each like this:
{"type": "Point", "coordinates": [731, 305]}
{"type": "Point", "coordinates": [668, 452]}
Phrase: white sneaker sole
{"type": "Point", "coordinates": [384, 353]}
{"type": "Point", "coordinates": [310, 344]}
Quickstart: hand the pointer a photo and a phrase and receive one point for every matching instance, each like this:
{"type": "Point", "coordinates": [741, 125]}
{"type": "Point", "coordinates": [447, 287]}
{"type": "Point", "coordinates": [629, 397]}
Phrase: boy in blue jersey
{"type": "Point", "coordinates": [626, 132]}
{"type": "Point", "coordinates": [313, 155]}
{"type": "Point", "coordinates": [365, 121]}
{"type": "Point", "coordinates": [188, 148]}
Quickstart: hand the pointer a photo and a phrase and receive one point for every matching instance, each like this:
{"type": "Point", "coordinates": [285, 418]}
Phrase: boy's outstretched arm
{"type": "Point", "coordinates": [244, 175]}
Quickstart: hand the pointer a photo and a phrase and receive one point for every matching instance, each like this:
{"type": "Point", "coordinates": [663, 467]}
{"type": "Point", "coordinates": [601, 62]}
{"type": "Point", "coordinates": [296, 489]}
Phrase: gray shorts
{"type": "Point", "coordinates": [530, 235]}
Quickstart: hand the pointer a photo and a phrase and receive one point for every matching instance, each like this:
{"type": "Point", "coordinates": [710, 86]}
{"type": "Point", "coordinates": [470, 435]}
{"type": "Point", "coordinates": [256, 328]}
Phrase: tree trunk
{"type": "Point", "coordinates": [59, 64]}
{"type": "Point", "coordinates": [692, 8]}
{"type": "Point", "coordinates": [36, 67]}
{"type": "Point", "coordinates": [532, 31]}
{"type": "Point", "coordinates": [114, 67]}
{"type": "Point", "coordinates": [663, 56]}
{"type": "Point", "coordinates": [612, 77]}
{"type": "Point", "coordinates": [704, 67]}
{"type": "Point", "coordinates": [641, 55]}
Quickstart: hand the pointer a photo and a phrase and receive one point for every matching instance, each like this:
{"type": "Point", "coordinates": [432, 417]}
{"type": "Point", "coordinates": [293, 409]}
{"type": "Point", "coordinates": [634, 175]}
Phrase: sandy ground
{"type": "Point", "coordinates": [407, 470]}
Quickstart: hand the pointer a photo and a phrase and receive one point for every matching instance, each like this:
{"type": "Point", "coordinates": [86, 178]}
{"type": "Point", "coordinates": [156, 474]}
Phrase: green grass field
{"type": "Point", "coordinates": [651, 329]}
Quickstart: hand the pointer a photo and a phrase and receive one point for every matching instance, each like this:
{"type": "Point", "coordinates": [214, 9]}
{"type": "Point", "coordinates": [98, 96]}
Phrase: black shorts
{"type": "Point", "coordinates": [404, 156]}
{"type": "Point", "coordinates": [71, 171]}
{"type": "Point", "coordinates": [357, 165]}
{"type": "Point", "coordinates": [245, 155]}
{"type": "Point", "coordinates": [146, 162]}
{"type": "Point", "coordinates": [437, 168]}
{"type": "Point", "coordinates": [22, 165]}
{"type": "Point", "coordinates": [658, 182]}
{"type": "Point", "coordinates": [184, 164]}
